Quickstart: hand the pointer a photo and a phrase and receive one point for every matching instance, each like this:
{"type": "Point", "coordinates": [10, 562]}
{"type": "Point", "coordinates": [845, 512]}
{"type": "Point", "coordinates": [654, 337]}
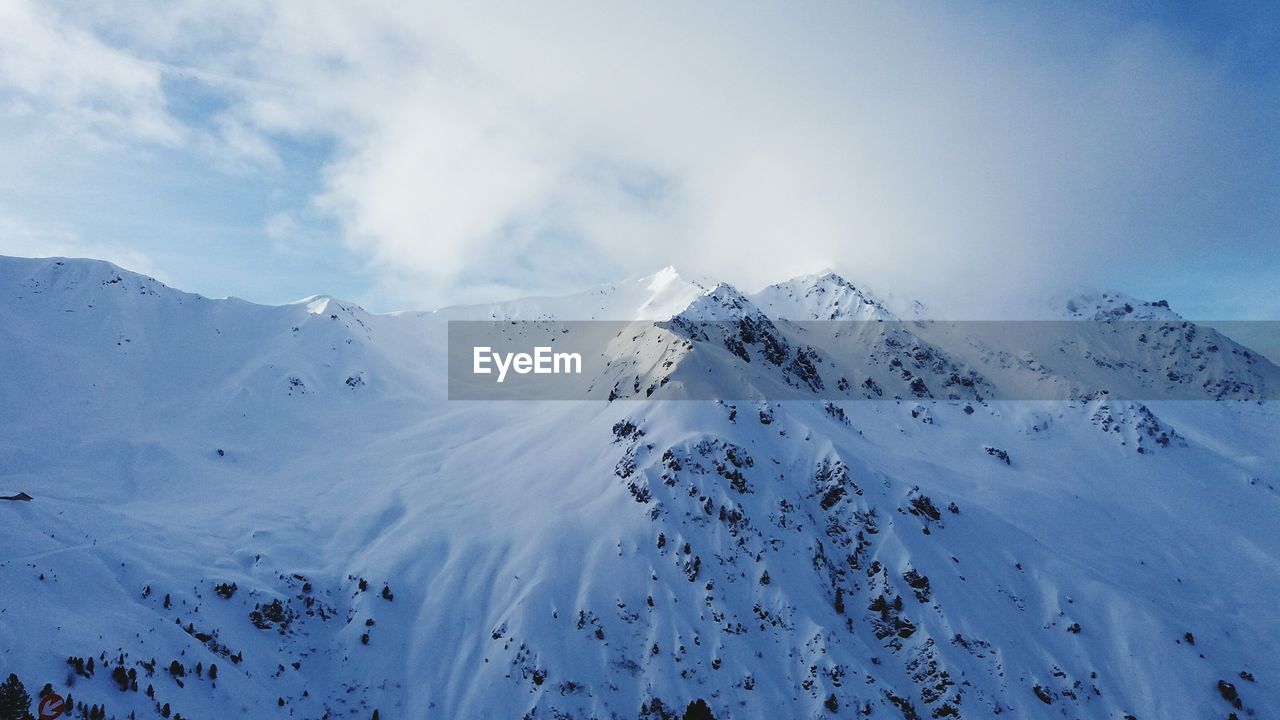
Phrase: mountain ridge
{"type": "Point", "coordinates": [1091, 305]}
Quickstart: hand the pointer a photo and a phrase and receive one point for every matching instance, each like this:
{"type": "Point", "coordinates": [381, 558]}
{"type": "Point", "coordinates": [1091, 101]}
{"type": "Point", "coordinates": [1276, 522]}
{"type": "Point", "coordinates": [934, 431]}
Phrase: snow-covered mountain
{"type": "Point", "coordinates": [286, 493]}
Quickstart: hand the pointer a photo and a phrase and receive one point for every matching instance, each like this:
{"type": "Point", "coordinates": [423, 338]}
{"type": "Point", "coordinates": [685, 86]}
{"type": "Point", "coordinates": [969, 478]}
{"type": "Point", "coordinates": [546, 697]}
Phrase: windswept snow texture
{"type": "Point", "coordinates": [285, 493]}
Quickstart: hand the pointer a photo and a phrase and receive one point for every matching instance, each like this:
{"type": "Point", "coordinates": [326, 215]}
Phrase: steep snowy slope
{"type": "Point", "coordinates": [285, 493]}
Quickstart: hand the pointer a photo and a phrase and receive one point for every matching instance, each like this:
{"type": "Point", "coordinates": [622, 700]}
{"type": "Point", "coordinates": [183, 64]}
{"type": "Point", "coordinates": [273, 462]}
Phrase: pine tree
{"type": "Point", "coordinates": [121, 676]}
{"type": "Point", "coordinates": [698, 710]}
{"type": "Point", "coordinates": [15, 703]}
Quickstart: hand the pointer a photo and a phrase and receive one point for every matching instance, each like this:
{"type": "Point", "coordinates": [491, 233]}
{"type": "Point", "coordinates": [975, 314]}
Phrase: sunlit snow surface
{"type": "Point", "coordinates": [584, 559]}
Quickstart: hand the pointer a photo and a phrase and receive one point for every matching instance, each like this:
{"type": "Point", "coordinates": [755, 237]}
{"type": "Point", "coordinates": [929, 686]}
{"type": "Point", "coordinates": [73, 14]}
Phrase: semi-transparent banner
{"type": "Point", "coordinates": [756, 358]}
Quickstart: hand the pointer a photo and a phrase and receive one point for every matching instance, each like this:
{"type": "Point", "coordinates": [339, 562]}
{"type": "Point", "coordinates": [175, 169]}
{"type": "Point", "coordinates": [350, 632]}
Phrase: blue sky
{"type": "Point", "coordinates": [412, 157]}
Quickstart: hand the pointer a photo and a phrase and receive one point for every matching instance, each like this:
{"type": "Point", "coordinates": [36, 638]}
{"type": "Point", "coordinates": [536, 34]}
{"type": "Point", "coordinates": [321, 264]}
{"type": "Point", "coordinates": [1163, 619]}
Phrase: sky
{"type": "Point", "coordinates": [973, 155]}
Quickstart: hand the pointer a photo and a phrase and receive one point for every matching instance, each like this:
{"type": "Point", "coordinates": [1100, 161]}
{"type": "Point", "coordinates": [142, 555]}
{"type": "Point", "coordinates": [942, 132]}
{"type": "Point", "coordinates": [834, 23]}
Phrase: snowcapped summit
{"type": "Point", "coordinates": [664, 293]}
{"type": "Point", "coordinates": [1116, 306]}
{"type": "Point", "coordinates": [653, 297]}
{"type": "Point", "coordinates": [723, 302]}
{"type": "Point", "coordinates": [69, 278]}
{"type": "Point", "coordinates": [333, 308]}
{"type": "Point", "coordinates": [825, 296]}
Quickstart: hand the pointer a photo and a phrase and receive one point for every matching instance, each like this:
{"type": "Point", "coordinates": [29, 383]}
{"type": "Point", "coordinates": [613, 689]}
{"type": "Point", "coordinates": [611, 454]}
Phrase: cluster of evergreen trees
{"type": "Point", "coordinates": [15, 703]}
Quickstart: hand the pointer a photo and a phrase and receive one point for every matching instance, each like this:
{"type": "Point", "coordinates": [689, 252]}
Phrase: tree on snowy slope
{"type": "Point", "coordinates": [15, 703]}
{"type": "Point", "coordinates": [698, 710]}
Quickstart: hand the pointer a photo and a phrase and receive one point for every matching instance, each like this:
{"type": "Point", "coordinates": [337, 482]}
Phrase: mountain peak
{"type": "Point", "coordinates": [74, 280]}
{"type": "Point", "coordinates": [722, 302]}
{"type": "Point", "coordinates": [322, 304]}
{"type": "Point", "coordinates": [665, 276]}
{"type": "Point", "coordinates": [823, 296]}
{"type": "Point", "coordinates": [1112, 305]}
{"type": "Point", "coordinates": [658, 296]}
{"type": "Point", "coordinates": [70, 269]}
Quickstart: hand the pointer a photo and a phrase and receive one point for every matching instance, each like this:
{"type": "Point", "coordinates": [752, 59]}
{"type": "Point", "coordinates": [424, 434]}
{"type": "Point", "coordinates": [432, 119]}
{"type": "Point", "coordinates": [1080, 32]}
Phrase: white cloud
{"type": "Point", "coordinates": [74, 80]}
{"type": "Point", "coordinates": [968, 154]}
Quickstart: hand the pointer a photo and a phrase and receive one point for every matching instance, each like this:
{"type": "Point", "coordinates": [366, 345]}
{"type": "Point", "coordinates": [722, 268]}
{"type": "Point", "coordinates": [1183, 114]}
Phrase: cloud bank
{"type": "Point", "coordinates": [969, 155]}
